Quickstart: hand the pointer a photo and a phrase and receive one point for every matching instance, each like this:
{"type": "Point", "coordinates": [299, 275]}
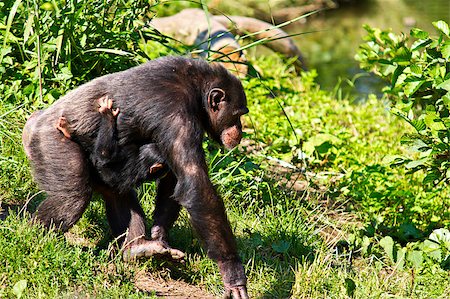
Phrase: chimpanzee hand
{"type": "Point", "coordinates": [105, 106]}
{"type": "Point", "coordinates": [234, 279]}
{"type": "Point", "coordinates": [239, 292]}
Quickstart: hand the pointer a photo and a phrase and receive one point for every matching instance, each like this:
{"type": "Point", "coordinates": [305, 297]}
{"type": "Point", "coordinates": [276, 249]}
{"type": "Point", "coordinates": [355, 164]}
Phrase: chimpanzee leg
{"type": "Point", "coordinates": [61, 170]}
{"type": "Point", "coordinates": [125, 214]}
{"type": "Point", "coordinates": [126, 217]}
{"type": "Point", "coordinates": [166, 208]}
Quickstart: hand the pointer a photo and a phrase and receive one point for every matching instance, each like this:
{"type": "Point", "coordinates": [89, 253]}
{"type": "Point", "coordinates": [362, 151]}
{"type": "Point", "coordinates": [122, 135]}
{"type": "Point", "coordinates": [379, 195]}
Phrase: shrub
{"type": "Point", "coordinates": [418, 70]}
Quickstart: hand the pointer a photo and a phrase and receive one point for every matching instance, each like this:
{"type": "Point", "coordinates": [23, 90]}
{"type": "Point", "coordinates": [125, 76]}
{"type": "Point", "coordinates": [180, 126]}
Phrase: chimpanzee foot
{"type": "Point", "coordinates": [105, 105]}
{"type": "Point", "coordinates": [148, 248]}
{"type": "Point", "coordinates": [63, 126]}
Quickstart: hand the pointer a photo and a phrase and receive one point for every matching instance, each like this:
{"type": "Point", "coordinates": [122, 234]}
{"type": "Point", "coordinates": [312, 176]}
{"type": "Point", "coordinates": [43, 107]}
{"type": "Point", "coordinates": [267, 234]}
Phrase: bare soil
{"type": "Point", "coordinates": [169, 288]}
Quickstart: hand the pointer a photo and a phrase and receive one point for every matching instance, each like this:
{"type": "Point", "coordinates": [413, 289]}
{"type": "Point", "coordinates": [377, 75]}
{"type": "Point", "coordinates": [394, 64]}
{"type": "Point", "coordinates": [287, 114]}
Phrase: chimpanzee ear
{"type": "Point", "coordinates": [216, 95]}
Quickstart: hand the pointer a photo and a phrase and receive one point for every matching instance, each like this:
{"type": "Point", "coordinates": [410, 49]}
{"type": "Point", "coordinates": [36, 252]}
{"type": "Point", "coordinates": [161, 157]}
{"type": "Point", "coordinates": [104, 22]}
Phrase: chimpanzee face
{"type": "Point", "coordinates": [226, 106]}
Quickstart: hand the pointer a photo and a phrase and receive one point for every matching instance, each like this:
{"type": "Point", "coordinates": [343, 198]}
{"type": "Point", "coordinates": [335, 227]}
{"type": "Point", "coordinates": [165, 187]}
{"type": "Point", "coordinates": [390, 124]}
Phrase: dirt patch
{"type": "Point", "coordinates": [170, 289]}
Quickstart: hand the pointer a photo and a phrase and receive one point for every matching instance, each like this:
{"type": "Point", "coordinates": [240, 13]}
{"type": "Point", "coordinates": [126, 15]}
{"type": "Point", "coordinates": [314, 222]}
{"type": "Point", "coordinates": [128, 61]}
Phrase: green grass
{"type": "Point", "coordinates": [50, 267]}
{"type": "Point", "coordinates": [326, 237]}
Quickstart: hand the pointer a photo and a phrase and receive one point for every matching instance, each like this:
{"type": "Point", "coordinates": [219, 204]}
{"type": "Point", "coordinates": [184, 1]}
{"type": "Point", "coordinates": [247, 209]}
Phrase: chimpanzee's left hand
{"type": "Point", "coordinates": [239, 292]}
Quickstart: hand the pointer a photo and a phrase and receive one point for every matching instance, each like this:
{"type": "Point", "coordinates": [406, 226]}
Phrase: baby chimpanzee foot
{"type": "Point", "coordinates": [63, 126]}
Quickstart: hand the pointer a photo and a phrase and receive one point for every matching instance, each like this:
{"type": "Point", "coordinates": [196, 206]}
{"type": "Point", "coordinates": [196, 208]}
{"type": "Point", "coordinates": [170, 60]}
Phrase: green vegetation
{"type": "Point", "coordinates": [316, 208]}
{"type": "Point", "coordinates": [419, 76]}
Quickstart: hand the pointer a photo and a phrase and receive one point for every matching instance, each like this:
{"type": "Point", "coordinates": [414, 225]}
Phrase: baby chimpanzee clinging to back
{"type": "Point", "coordinates": [107, 157]}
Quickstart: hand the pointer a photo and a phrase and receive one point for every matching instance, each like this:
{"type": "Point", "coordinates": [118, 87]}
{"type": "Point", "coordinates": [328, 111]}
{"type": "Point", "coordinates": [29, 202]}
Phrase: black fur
{"type": "Point", "coordinates": [118, 166]}
{"type": "Point", "coordinates": [166, 106]}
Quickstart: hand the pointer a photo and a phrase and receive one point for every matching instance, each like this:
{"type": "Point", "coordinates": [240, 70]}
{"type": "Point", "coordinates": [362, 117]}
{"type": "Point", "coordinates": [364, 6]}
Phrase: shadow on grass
{"type": "Point", "coordinates": [6, 208]}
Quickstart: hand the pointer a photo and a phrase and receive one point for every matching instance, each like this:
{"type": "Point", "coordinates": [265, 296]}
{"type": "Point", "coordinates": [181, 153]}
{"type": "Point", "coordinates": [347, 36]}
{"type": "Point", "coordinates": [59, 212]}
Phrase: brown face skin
{"type": "Point", "coordinates": [231, 137]}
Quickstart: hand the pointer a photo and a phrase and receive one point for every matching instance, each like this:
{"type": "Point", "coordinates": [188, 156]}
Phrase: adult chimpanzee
{"type": "Point", "coordinates": [167, 104]}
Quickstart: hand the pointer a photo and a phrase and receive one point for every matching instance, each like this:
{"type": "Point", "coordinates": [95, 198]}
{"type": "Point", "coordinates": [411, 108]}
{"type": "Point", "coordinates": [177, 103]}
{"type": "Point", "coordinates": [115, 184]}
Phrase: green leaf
{"type": "Point", "coordinates": [446, 99]}
{"type": "Point", "coordinates": [435, 218]}
{"type": "Point", "coordinates": [385, 61]}
{"type": "Point", "coordinates": [403, 54]}
{"type": "Point", "coordinates": [387, 243]}
{"type": "Point", "coordinates": [28, 27]}
{"type": "Point", "coordinates": [5, 51]}
{"type": "Point", "coordinates": [432, 178]}
{"type": "Point", "coordinates": [394, 160]}
{"type": "Point", "coordinates": [401, 253]}
{"type": "Point", "coordinates": [402, 107]}
{"type": "Point", "coordinates": [442, 26]}
{"type": "Point", "coordinates": [419, 44]}
{"type": "Point", "coordinates": [398, 71]}
{"type": "Point", "coordinates": [350, 287]}
{"type": "Point", "coordinates": [111, 51]}
{"type": "Point", "coordinates": [432, 249]}
{"type": "Point", "coordinates": [9, 22]}
{"type": "Point", "coordinates": [83, 40]}
{"type": "Point", "coordinates": [19, 288]}
{"type": "Point", "coordinates": [281, 246]}
{"type": "Point", "coordinates": [445, 85]}
{"type": "Point", "coordinates": [433, 53]}
{"type": "Point", "coordinates": [386, 69]}
{"type": "Point", "coordinates": [415, 257]}
{"type": "Point", "coordinates": [418, 145]}
{"type": "Point", "coordinates": [321, 143]}
{"type": "Point", "coordinates": [47, 6]}
{"type": "Point", "coordinates": [433, 122]}
{"type": "Point", "coordinates": [419, 125]}
{"type": "Point", "coordinates": [441, 236]}
{"type": "Point", "coordinates": [446, 50]}
{"type": "Point", "coordinates": [416, 163]}
{"type": "Point", "coordinates": [411, 87]}
{"type": "Point", "coordinates": [365, 245]}
{"type": "Point", "coordinates": [416, 69]}
{"type": "Point", "coordinates": [418, 33]}
{"type": "Point", "coordinates": [324, 148]}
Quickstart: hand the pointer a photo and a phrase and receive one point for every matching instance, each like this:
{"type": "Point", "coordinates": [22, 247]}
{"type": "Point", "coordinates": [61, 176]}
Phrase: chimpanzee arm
{"type": "Point", "coordinates": [106, 147]}
{"type": "Point", "coordinates": [122, 166]}
{"type": "Point", "coordinates": [195, 192]}
{"type": "Point", "coordinates": [136, 165]}
{"type": "Point", "coordinates": [148, 165]}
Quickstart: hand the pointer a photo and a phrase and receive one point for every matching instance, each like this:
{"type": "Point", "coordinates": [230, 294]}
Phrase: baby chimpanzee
{"type": "Point", "coordinates": [107, 157]}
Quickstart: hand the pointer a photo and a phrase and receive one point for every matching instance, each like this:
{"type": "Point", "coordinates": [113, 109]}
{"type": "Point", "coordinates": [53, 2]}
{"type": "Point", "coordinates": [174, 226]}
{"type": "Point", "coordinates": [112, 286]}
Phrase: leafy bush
{"type": "Point", "coordinates": [49, 49]}
{"type": "Point", "coordinates": [419, 76]}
